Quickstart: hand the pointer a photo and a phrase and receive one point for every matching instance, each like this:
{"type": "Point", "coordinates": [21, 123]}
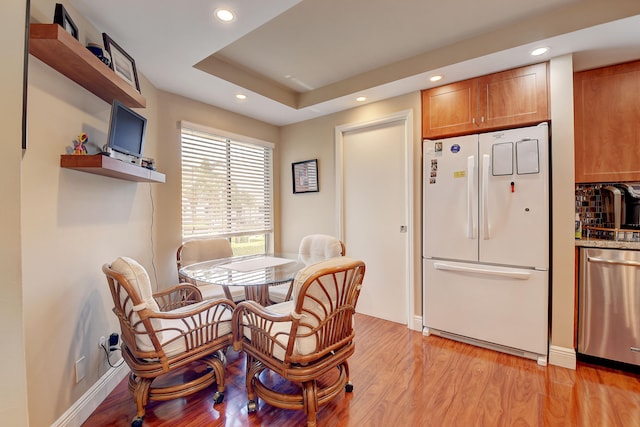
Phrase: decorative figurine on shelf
{"type": "Point", "coordinates": [100, 52]}
{"type": "Point", "coordinates": [79, 144]}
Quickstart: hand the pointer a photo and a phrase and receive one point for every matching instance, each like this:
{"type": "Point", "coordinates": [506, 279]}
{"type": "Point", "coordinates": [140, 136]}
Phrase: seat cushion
{"type": "Point", "coordinates": [139, 280]}
{"type": "Point", "coordinates": [137, 276]}
{"type": "Point", "coordinates": [319, 302]}
{"type": "Point", "coordinates": [309, 270]}
{"type": "Point", "coordinates": [216, 292]}
{"type": "Point", "coordinates": [278, 293]}
{"type": "Point", "coordinates": [280, 330]}
{"type": "Point", "coordinates": [173, 328]}
{"type": "Point", "coordinates": [318, 247]}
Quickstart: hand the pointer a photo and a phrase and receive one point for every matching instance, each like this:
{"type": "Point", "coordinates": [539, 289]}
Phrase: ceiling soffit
{"type": "Point", "coordinates": [562, 20]}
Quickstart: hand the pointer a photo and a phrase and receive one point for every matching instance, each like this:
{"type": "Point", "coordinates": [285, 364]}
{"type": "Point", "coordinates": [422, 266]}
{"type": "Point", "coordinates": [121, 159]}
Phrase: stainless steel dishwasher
{"type": "Point", "coordinates": [609, 304]}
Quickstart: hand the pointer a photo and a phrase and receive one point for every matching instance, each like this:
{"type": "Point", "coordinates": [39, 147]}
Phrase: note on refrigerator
{"type": "Point", "coordinates": [527, 157]}
{"type": "Point", "coordinates": [502, 159]}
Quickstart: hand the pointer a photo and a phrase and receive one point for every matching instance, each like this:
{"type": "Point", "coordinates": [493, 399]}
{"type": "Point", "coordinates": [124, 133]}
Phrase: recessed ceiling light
{"type": "Point", "coordinates": [241, 96]}
{"type": "Point", "coordinates": [539, 51]}
{"type": "Point", "coordinates": [225, 15]}
{"type": "Point", "coordinates": [436, 78]}
{"type": "Point", "coordinates": [361, 98]}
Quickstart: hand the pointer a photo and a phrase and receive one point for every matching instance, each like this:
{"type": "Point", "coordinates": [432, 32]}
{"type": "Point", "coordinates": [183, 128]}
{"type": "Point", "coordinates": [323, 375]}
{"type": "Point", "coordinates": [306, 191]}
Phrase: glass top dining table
{"type": "Point", "coordinates": [254, 273]}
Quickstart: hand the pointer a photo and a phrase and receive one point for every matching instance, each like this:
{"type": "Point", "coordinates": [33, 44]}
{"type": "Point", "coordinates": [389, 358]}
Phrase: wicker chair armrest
{"type": "Point", "coordinates": [193, 312]}
{"type": "Point", "coordinates": [251, 314]}
{"type": "Point", "coordinates": [197, 324]}
{"type": "Point", "coordinates": [177, 296]}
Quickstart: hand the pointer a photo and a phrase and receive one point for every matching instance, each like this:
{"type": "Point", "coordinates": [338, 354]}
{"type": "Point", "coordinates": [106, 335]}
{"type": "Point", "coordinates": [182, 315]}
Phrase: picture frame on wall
{"type": "Point", "coordinates": [121, 62]}
{"type": "Point", "coordinates": [305, 176]}
{"type": "Point", "coordinates": [62, 18]}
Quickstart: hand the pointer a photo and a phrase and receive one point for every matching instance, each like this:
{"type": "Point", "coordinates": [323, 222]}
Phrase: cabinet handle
{"type": "Point", "coordinates": [482, 119]}
{"type": "Point", "coordinates": [473, 120]}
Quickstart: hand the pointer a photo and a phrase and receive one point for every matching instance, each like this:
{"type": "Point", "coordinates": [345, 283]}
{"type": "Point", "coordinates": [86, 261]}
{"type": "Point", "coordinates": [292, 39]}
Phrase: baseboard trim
{"type": "Point", "coordinates": [562, 356]}
{"type": "Point", "coordinates": [417, 323]}
{"type": "Point", "coordinates": [88, 402]}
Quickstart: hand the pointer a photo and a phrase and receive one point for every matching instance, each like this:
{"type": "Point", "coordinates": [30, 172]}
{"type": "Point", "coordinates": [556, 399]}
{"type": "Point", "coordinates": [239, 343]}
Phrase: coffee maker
{"type": "Point", "coordinates": [630, 209]}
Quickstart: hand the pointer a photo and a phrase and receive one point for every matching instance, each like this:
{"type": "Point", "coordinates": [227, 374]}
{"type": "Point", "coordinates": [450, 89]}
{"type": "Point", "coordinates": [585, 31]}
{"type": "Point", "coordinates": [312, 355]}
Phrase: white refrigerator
{"type": "Point", "coordinates": [486, 240]}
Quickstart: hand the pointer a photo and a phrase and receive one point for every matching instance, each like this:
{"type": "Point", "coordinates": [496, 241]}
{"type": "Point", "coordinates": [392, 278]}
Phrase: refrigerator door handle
{"type": "Point", "coordinates": [521, 275]}
{"type": "Point", "coordinates": [486, 227]}
{"type": "Point", "coordinates": [471, 219]}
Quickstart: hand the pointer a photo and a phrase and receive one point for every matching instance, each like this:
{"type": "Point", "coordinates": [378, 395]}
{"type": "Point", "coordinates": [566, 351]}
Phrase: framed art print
{"type": "Point", "coordinates": [305, 176]}
{"type": "Point", "coordinates": [62, 18]}
{"type": "Point", "coordinates": [121, 62]}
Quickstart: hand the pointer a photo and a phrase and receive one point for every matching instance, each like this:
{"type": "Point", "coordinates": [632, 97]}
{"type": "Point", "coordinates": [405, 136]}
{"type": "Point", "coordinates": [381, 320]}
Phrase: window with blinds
{"type": "Point", "coordinates": [227, 189]}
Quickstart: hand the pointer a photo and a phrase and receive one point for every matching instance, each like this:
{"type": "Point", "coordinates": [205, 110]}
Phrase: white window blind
{"type": "Point", "coordinates": [226, 186]}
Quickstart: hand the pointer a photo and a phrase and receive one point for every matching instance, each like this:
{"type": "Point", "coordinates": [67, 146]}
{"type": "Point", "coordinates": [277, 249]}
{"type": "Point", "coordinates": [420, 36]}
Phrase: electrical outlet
{"type": "Point", "coordinates": [81, 369]}
{"type": "Point", "coordinates": [102, 343]}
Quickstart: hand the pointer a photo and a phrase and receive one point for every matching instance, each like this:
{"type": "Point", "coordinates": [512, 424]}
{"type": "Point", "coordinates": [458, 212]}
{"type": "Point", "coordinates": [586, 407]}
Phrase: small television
{"type": "Point", "coordinates": [126, 134]}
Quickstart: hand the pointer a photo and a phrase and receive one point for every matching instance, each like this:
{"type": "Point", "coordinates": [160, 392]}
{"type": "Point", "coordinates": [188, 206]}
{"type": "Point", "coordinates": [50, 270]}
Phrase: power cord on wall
{"type": "Point", "coordinates": [108, 353]}
{"type": "Point", "coordinates": [153, 256]}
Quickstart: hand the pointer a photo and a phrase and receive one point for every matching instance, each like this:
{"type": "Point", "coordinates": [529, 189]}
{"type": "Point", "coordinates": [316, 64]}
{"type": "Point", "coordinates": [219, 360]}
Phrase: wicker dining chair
{"type": "Point", "coordinates": [313, 248]}
{"type": "Point", "coordinates": [303, 339]}
{"type": "Point", "coordinates": [166, 331]}
{"type": "Point", "coordinates": [197, 250]}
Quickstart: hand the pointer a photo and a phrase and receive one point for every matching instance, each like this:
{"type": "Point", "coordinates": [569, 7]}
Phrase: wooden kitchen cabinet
{"type": "Point", "coordinates": [607, 123]}
{"type": "Point", "coordinates": [450, 110]}
{"type": "Point", "coordinates": [508, 99]}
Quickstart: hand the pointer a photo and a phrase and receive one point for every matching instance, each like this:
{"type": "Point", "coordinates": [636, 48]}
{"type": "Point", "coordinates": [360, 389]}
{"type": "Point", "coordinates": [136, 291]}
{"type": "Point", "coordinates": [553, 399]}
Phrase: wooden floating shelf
{"type": "Point", "coordinates": [57, 48]}
{"type": "Point", "coordinates": [106, 166]}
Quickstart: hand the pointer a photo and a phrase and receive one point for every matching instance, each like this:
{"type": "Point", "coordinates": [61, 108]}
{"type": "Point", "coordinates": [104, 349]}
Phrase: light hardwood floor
{"type": "Point", "coordinates": [402, 378]}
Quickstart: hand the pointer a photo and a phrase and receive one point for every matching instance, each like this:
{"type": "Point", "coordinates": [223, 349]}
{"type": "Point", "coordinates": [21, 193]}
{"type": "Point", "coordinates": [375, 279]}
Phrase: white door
{"type": "Point", "coordinates": [375, 213]}
{"type": "Point", "coordinates": [450, 222]}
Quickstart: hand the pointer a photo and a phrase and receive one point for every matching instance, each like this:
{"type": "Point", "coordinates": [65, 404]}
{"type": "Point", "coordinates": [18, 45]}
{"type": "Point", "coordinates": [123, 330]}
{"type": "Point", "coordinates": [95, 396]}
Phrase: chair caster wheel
{"type": "Point", "coordinates": [348, 388]}
{"type": "Point", "coordinates": [218, 397]}
{"type": "Point", "coordinates": [252, 406]}
{"type": "Point", "coordinates": [137, 422]}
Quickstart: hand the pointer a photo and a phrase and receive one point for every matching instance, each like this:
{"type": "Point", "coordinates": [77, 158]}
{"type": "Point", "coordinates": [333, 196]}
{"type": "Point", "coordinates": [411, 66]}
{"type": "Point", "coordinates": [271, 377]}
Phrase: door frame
{"type": "Point", "coordinates": [406, 117]}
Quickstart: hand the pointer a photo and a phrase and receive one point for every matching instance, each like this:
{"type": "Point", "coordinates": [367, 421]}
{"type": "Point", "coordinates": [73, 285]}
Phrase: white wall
{"type": "Point", "coordinates": [13, 392]}
{"type": "Point", "coordinates": [563, 193]}
{"type": "Point", "coordinates": [309, 213]}
{"type": "Point", "coordinates": [73, 222]}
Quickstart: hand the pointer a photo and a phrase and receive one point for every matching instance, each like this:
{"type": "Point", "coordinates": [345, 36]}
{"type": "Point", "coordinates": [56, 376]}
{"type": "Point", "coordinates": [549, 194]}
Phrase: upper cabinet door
{"type": "Point", "coordinates": [508, 99]}
{"type": "Point", "coordinates": [607, 123]}
{"type": "Point", "coordinates": [450, 110]}
{"type": "Point", "coordinates": [513, 98]}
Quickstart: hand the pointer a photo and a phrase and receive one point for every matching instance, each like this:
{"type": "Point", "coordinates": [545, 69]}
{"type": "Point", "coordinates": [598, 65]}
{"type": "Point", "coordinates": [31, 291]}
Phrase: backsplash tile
{"type": "Point", "coordinates": [589, 204]}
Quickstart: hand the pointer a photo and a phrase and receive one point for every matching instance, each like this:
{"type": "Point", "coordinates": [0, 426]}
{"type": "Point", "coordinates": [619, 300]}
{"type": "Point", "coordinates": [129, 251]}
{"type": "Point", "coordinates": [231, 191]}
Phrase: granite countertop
{"type": "Point", "coordinates": [612, 244]}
